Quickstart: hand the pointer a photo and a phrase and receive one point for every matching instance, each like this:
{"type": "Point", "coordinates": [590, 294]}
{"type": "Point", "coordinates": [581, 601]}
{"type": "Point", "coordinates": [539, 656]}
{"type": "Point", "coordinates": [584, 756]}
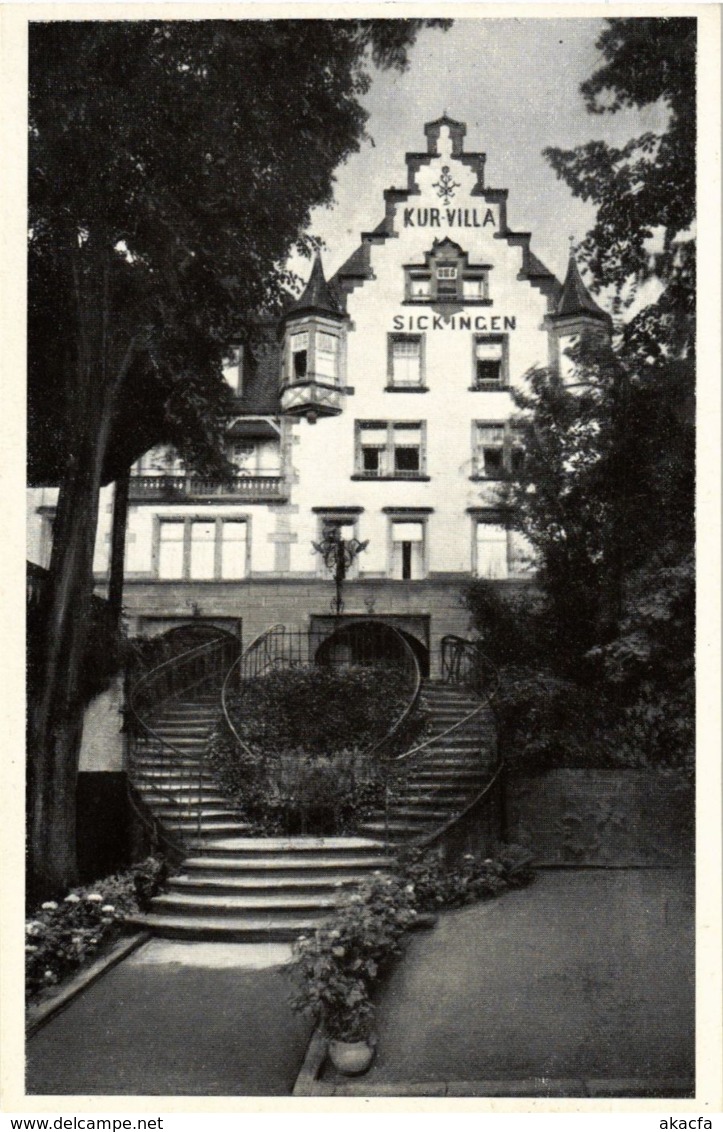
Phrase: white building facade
{"type": "Point", "coordinates": [380, 405]}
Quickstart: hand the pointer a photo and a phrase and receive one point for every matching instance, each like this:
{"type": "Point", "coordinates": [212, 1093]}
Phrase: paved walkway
{"type": "Point", "coordinates": [585, 977]}
{"type": "Point", "coordinates": [582, 982]}
{"type": "Point", "coordinates": [176, 1019]}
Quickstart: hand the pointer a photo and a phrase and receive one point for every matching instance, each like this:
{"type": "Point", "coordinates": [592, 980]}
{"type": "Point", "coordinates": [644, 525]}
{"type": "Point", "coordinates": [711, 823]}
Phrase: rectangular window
{"type": "Point", "coordinates": [491, 550]}
{"type": "Point", "coordinates": [327, 348]}
{"type": "Point", "coordinates": [233, 549]}
{"type": "Point", "coordinates": [420, 287]}
{"type": "Point", "coordinates": [346, 527]}
{"type": "Point", "coordinates": [489, 450]}
{"type": "Point", "coordinates": [202, 549]}
{"type": "Point", "coordinates": [233, 369]}
{"type": "Point", "coordinates": [170, 550]}
{"type": "Point", "coordinates": [391, 449]}
{"type": "Point", "coordinates": [501, 552]}
{"type": "Point", "coordinates": [407, 550]}
{"type": "Point", "coordinates": [498, 451]}
{"type": "Point", "coordinates": [299, 346]}
{"type": "Point", "coordinates": [405, 360]}
{"type": "Point", "coordinates": [407, 441]}
{"type": "Point", "coordinates": [490, 360]}
{"type": "Point", "coordinates": [447, 281]}
{"type": "Point", "coordinates": [522, 557]}
{"type": "Point", "coordinates": [373, 449]}
{"type": "Point", "coordinates": [475, 288]}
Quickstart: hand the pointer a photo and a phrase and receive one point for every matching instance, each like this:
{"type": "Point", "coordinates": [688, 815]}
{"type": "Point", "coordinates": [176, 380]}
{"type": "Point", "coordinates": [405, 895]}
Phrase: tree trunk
{"type": "Point", "coordinates": [56, 713]}
{"type": "Point", "coordinates": [117, 547]}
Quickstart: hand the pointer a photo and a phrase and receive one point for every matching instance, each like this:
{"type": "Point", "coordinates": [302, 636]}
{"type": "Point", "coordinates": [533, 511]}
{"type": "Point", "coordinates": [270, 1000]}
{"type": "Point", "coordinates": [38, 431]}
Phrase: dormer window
{"type": "Point", "coordinates": [476, 287]}
{"type": "Point", "coordinates": [420, 286]}
{"type": "Point", "coordinates": [447, 286]}
{"type": "Point", "coordinates": [446, 276]}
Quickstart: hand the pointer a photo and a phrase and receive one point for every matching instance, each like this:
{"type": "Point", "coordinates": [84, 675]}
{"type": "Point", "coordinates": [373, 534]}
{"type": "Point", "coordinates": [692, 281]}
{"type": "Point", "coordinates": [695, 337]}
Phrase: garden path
{"type": "Point", "coordinates": [582, 981]}
{"type": "Point", "coordinates": [176, 1019]}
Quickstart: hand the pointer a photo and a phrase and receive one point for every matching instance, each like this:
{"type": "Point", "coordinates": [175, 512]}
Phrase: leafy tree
{"type": "Point", "coordinates": [645, 191]}
{"type": "Point", "coordinates": [172, 167]}
{"type": "Point", "coordinates": [608, 487]}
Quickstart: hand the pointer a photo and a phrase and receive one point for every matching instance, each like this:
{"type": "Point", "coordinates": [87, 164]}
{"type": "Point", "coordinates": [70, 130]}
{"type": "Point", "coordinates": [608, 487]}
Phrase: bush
{"type": "Point", "coordinates": [320, 709]}
{"type": "Point", "coordinates": [307, 763]}
{"type": "Point", "coordinates": [433, 887]}
{"type": "Point", "coordinates": [336, 968]}
{"type": "Point", "coordinates": [550, 722]}
{"type": "Point", "coordinates": [514, 627]}
{"type": "Point", "coordinates": [62, 936]}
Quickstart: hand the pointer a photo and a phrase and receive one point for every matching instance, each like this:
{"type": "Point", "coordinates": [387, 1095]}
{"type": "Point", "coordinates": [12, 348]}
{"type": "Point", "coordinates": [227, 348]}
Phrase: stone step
{"type": "Point", "coordinates": [254, 848]}
{"type": "Point", "coordinates": [329, 881]}
{"type": "Point", "coordinates": [168, 762]}
{"type": "Point", "coordinates": [281, 905]}
{"type": "Point", "coordinates": [434, 798]}
{"type": "Point", "coordinates": [397, 830]}
{"type": "Point", "coordinates": [233, 929]}
{"type": "Point", "coordinates": [157, 797]}
{"type": "Point", "coordinates": [214, 863]}
{"type": "Point", "coordinates": [183, 742]}
{"type": "Point", "coordinates": [214, 828]}
{"type": "Point", "coordinates": [417, 813]}
{"type": "Point", "coordinates": [172, 810]}
{"type": "Point", "coordinates": [189, 792]}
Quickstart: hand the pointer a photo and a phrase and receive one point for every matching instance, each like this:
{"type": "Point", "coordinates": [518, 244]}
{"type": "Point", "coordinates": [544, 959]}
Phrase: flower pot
{"type": "Point", "coordinates": [350, 1058]}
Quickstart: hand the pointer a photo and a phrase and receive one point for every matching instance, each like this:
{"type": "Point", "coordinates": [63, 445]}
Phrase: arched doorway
{"type": "Point", "coordinates": [149, 651]}
{"type": "Point", "coordinates": [369, 642]}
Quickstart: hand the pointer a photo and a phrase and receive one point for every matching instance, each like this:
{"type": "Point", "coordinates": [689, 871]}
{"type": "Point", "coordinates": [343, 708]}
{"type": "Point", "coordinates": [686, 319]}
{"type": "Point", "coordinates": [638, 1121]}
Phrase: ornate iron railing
{"type": "Point", "coordinates": [465, 666]}
{"type": "Point", "coordinates": [196, 671]}
{"type": "Point", "coordinates": [354, 642]}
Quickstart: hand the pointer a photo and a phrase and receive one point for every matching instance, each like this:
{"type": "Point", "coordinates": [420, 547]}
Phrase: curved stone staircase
{"type": "Point", "coordinates": [236, 887]}
{"type": "Point", "coordinates": [451, 767]}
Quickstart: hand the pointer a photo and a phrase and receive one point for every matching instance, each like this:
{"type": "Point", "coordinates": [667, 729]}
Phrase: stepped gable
{"type": "Point", "coordinates": [575, 299]}
{"type": "Point", "coordinates": [357, 269]}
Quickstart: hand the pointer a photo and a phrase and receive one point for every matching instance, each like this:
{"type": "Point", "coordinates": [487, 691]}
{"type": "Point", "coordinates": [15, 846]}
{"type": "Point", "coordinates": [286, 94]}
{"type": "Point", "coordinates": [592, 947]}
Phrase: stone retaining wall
{"type": "Point", "coordinates": [602, 817]}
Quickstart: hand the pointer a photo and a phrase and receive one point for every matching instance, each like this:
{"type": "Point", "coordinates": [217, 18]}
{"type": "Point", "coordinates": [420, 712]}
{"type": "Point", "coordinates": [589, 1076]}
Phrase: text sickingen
{"type": "Point", "coordinates": [481, 322]}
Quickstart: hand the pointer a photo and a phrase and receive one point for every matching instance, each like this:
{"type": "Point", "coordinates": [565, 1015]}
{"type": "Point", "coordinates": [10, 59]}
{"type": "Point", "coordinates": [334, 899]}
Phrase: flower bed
{"type": "Point", "coordinates": [63, 935]}
{"type": "Point", "coordinates": [337, 968]}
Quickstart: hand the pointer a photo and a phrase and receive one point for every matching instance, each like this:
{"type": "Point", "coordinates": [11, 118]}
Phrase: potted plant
{"type": "Point", "coordinates": [335, 997]}
{"type": "Point", "coordinates": [335, 969]}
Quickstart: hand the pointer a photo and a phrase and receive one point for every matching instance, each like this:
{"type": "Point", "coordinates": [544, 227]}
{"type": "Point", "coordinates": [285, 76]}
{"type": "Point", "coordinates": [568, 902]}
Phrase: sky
{"type": "Point", "coordinates": [516, 84]}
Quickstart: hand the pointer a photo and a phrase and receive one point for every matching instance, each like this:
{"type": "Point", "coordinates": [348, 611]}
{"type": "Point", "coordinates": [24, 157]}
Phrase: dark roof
{"type": "Point", "coordinates": [252, 427]}
{"type": "Point", "coordinates": [262, 363]}
{"type": "Point", "coordinates": [317, 295]}
{"type": "Point", "coordinates": [576, 299]}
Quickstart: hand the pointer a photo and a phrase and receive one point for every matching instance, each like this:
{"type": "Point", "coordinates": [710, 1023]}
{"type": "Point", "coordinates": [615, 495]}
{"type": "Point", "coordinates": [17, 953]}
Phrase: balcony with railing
{"type": "Point", "coordinates": [261, 487]}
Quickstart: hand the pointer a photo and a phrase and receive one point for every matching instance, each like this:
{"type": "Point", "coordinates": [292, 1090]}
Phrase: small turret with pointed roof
{"type": "Point", "coordinates": [576, 317]}
{"type": "Point", "coordinates": [575, 300]}
{"type": "Point", "coordinates": [317, 297]}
